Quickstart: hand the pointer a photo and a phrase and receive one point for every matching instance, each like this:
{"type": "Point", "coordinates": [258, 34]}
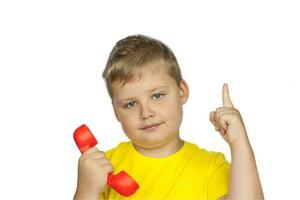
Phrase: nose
{"type": "Point", "coordinates": [146, 112]}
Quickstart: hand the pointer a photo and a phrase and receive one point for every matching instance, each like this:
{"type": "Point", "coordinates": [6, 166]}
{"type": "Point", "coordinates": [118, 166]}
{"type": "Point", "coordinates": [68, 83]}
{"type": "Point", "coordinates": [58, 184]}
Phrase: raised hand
{"type": "Point", "coordinates": [228, 120]}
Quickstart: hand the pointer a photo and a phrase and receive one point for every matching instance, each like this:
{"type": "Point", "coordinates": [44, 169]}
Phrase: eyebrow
{"type": "Point", "coordinates": [149, 91]}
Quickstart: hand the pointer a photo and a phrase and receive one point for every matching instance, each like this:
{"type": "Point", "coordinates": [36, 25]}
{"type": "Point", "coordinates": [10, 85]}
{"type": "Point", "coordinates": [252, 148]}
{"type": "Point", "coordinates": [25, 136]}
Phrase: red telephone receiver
{"type": "Point", "coordinates": [121, 182]}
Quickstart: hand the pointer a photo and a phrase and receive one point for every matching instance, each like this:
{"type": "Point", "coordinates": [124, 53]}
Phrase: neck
{"type": "Point", "coordinates": [162, 151]}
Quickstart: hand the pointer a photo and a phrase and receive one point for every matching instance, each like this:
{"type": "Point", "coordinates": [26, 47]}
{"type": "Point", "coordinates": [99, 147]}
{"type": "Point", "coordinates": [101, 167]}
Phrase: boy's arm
{"type": "Point", "coordinates": [82, 194]}
{"type": "Point", "coordinates": [244, 179]}
{"type": "Point", "coordinates": [79, 196]}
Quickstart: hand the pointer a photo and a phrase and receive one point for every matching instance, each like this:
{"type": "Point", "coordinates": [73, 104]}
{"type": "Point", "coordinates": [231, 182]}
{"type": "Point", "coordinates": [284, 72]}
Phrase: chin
{"type": "Point", "coordinates": [150, 144]}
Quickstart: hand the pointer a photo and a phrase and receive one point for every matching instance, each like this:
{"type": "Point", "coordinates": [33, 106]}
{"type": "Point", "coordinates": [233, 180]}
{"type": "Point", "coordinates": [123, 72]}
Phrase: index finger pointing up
{"type": "Point", "coordinates": [226, 98]}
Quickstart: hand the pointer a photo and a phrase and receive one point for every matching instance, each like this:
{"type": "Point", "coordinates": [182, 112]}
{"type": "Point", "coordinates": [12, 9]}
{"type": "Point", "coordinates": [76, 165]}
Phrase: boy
{"type": "Point", "coordinates": [147, 92]}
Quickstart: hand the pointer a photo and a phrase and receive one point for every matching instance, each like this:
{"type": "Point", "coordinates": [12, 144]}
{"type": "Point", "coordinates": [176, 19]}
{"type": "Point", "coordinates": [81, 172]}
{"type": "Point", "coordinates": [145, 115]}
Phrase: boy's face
{"type": "Point", "coordinates": [153, 99]}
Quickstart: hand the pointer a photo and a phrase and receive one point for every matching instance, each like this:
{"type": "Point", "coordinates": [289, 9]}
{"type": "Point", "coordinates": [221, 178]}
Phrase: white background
{"type": "Point", "coordinates": [52, 54]}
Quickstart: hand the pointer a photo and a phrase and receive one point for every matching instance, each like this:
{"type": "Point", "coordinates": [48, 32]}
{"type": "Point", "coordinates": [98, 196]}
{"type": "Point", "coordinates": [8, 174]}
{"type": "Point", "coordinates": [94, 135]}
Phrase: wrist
{"type": "Point", "coordinates": [240, 144]}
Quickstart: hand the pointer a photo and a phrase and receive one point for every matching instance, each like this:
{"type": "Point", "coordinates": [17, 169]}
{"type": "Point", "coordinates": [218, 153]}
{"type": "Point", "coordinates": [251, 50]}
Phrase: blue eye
{"type": "Point", "coordinates": [129, 104]}
{"type": "Point", "coordinates": [158, 95]}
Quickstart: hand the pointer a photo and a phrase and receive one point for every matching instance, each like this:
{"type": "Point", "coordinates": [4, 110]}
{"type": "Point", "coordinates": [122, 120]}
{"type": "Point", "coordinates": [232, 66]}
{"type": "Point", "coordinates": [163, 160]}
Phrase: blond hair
{"type": "Point", "coordinates": [131, 54]}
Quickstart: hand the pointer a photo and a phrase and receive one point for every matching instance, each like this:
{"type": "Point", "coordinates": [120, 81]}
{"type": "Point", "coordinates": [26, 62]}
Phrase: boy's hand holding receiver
{"type": "Point", "coordinates": [93, 170]}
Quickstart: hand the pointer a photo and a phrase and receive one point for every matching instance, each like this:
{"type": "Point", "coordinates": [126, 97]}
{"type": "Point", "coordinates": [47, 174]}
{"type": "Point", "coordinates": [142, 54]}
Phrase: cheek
{"type": "Point", "coordinates": [173, 113]}
{"type": "Point", "coordinates": [128, 120]}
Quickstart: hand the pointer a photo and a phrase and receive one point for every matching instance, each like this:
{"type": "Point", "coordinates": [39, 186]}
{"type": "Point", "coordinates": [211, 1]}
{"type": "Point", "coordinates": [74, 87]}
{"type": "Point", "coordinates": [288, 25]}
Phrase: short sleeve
{"type": "Point", "coordinates": [218, 180]}
{"type": "Point", "coordinates": [102, 197]}
{"type": "Point", "coordinates": [105, 194]}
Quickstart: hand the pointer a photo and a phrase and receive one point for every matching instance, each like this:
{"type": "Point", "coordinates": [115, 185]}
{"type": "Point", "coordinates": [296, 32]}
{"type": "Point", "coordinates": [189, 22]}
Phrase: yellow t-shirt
{"type": "Point", "coordinates": [190, 173]}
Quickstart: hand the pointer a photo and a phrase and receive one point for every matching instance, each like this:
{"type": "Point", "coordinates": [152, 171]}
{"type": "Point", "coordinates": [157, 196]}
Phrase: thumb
{"type": "Point", "coordinates": [212, 117]}
{"type": "Point", "coordinates": [90, 150]}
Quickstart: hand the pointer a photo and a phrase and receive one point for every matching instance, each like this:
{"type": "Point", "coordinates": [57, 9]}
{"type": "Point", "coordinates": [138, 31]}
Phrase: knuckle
{"type": "Point", "coordinates": [219, 109]}
{"type": "Point", "coordinates": [218, 117]}
{"type": "Point", "coordinates": [107, 168]}
{"type": "Point", "coordinates": [215, 115]}
{"type": "Point", "coordinates": [221, 117]}
{"type": "Point", "coordinates": [90, 150]}
{"type": "Point", "coordinates": [211, 118]}
{"type": "Point", "coordinates": [104, 161]}
{"type": "Point", "coordinates": [237, 111]}
{"type": "Point", "coordinates": [84, 160]}
{"type": "Point", "coordinates": [97, 154]}
{"type": "Point", "coordinates": [101, 153]}
{"type": "Point", "coordinates": [217, 128]}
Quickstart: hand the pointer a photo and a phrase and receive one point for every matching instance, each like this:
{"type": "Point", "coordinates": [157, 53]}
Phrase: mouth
{"type": "Point", "coordinates": [151, 127]}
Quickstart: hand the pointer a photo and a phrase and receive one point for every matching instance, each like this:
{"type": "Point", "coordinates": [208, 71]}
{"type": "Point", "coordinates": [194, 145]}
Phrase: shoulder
{"type": "Point", "coordinates": [202, 151]}
{"type": "Point", "coordinates": [207, 158]}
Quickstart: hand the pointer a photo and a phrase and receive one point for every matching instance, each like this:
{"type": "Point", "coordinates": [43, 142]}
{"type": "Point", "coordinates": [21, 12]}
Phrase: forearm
{"type": "Point", "coordinates": [81, 194]}
{"type": "Point", "coordinates": [244, 178]}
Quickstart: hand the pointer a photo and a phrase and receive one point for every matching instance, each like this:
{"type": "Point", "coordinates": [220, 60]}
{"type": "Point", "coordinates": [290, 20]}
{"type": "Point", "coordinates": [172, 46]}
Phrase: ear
{"type": "Point", "coordinates": [115, 111]}
{"type": "Point", "coordinates": [183, 91]}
